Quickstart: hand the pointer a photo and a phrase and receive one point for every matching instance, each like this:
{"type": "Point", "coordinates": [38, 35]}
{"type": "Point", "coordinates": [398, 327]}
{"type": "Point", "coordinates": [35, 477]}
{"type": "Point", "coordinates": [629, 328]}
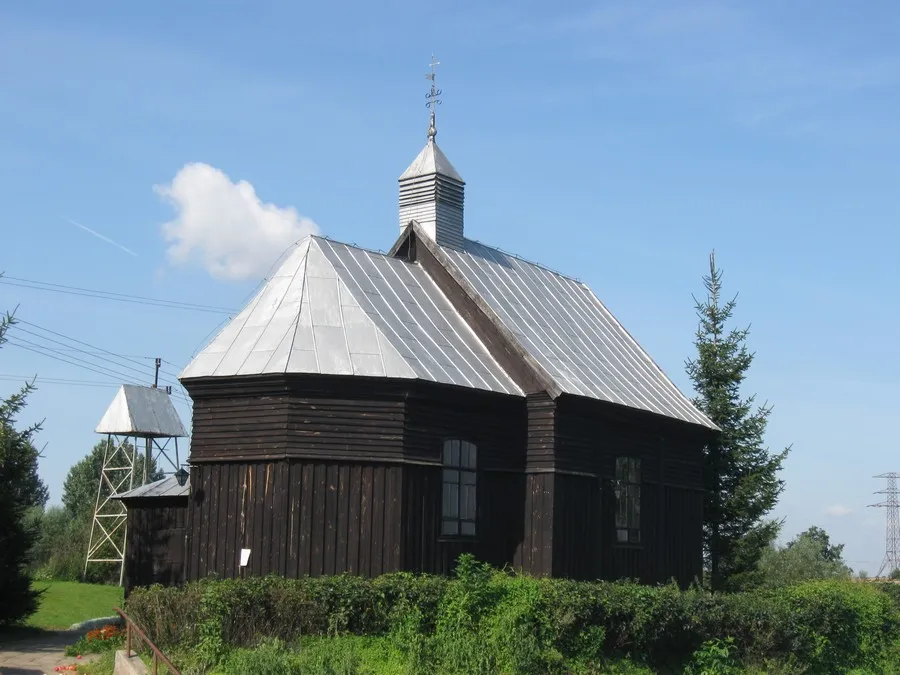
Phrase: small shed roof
{"type": "Point", "coordinates": [167, 487]}
{"type": "Point", "coordinates": [141, 411]}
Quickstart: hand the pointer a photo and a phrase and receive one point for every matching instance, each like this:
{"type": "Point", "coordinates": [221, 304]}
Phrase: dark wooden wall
{"type": "Point", "coordinates": [297, 517]}
{"type": "Point", "coordinates": [154, 549]}
{"type": "Point", "coordinates": [589, 437]}
{"type": "Point", "coordinates": [325, 475]}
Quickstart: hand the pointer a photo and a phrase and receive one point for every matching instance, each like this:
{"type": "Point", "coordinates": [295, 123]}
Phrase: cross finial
{"type": "Point", "coordinates": [432, 97]}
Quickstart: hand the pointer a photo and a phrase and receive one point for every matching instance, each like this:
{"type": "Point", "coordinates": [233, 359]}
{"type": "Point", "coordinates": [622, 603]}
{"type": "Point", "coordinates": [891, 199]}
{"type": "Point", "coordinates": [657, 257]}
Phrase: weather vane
{"type": "Point", "coordinates": [432, 97]}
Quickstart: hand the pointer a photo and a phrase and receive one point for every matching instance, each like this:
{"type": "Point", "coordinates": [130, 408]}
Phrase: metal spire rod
{"type": "Point", "coordinates": [432, 97]}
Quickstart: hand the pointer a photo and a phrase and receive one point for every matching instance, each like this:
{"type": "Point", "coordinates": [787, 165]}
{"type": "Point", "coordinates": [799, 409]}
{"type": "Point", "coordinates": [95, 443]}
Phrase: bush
{"type": "Point", "coordinates": [486, 621]}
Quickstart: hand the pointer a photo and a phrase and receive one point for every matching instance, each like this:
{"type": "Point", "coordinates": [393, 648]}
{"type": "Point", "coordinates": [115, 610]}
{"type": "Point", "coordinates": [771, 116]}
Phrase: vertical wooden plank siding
{"type": "Point", "coordinates": [318, 499]}
{"type": "Point", "coordinates": [154, 550]}
{"type": "Point", "coordinates": [671, 468]}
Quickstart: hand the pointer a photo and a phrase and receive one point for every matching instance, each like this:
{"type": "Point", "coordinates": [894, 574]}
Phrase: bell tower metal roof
{"type": "Point", "coordinates": [144, 412]}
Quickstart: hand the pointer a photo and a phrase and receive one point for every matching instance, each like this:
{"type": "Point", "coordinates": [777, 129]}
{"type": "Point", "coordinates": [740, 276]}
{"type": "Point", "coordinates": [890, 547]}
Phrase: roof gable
{"type": "Point", "coordinates": [568, 335]}
{"type": "Point", "coordinates": [335, 309]}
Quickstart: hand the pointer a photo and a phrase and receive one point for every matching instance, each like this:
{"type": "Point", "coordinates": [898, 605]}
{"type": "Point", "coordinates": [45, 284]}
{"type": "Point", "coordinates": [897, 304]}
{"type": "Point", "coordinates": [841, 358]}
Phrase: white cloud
{"type": "Point", "coordinates": [224, 226]}
{"type": "Point", "coordinates": [838, 510]}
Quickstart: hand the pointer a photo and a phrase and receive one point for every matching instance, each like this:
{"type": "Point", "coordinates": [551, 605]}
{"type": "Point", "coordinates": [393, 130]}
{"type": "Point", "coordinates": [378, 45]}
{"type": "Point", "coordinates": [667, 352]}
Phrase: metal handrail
{"type": "Point", "coordinates": [158, 656]}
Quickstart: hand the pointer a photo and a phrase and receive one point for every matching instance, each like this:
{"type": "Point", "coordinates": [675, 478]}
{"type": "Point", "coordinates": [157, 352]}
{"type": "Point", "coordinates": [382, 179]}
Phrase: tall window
{"type": "Point", "coordinates": [628, 500]}
{"type": "Point", "coordinates": [459, 488]}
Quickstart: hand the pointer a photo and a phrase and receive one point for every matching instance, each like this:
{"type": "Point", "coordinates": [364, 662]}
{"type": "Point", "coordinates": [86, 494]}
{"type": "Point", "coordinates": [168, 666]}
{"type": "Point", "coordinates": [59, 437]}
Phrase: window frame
{"type": "Point", "coordinates": [627, 491]}
{"type": "Point", "coordinates": [459, 489]}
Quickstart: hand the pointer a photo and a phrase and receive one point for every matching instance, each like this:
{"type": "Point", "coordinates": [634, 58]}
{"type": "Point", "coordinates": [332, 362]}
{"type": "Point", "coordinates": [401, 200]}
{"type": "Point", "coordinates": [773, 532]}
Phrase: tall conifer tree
{"type": "Point", "coordinates": [20, 490]}
{"type": "Point", "coordinates": [741, 476]}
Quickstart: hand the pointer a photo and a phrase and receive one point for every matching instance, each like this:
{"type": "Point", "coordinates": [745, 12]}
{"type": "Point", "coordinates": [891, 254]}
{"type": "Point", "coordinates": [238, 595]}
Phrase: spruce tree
{"type": "Point", "coordinates": [18, 468]}
{"type": "Point", "coordinates": [741, 476]}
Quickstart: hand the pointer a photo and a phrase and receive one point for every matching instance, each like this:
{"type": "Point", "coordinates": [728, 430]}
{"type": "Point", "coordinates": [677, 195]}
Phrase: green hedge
{"type": "Point", "coordinates": [489, 621]}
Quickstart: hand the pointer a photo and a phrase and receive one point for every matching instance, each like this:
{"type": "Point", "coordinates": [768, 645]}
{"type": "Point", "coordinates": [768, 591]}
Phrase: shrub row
{"type": "Point", "coordinates": [490, 621]}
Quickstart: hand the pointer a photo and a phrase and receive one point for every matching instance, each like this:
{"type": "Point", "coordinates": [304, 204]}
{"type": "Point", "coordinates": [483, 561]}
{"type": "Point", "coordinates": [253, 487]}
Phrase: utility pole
{"type": "Point", "coordinates": [891, 503]}
{"type": "Point", "coordinates": [148, 448]}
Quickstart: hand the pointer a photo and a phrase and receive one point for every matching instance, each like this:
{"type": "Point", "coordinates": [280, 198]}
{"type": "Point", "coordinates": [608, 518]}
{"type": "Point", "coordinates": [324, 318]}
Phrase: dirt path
{"type": "Point", "coordinates": [35, 653]}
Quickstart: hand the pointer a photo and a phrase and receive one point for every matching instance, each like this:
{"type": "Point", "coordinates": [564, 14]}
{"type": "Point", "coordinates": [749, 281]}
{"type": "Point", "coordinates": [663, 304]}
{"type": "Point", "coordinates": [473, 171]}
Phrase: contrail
{"type": "Point", "coordinates": [99, 236]}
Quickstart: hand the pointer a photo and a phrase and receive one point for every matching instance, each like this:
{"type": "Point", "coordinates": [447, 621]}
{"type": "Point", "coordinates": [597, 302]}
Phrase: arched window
{"type": "Point", "coordinates": [459, 503]}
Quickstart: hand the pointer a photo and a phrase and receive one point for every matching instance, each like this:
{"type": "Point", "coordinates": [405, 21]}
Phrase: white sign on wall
{"type": "Point", "coordinates": [245, 556]}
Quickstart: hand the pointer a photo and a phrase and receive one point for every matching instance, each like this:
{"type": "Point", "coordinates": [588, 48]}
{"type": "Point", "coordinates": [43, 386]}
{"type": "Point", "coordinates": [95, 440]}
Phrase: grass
{"type": "Point", "coordinates": [66, 602]}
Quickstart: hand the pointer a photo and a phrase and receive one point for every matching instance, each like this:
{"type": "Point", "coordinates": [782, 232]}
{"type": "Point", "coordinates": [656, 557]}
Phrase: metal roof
{"type": "Point", "coordinates": [431, 160]}
{"type": "Point", "coordinates": [141, 411]}
{"type": "Point", "coordinates": [335, 309]}
{"type": "Point", "coordinates": [570, 333]}
{"type": "Point", "coordinates": [167, 487]}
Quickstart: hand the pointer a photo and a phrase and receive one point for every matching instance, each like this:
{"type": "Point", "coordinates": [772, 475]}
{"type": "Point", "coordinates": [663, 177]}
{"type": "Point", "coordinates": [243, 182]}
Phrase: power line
{"type": "Point", "coordinates": [56, 350]}
{"type": "Point", "coordinates": [48, 339]}
{"type": "Point", "coordinates": [86, 365]}
{"type": "Point", "coordinates": [891, 504]}
{"type": "Point", "coordinates": [16, 343]}
{"type": "Point", "coordinates": [109, 295]}
{"type": "Point", "coordinates": [56, 380]}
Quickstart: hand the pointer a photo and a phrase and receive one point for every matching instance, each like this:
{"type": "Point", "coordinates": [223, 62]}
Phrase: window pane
{"type": "Point", "coordinates": [453, 511]}
{"type": "Point", "coordinates": [447, 445]}
{"type": "Point", "coordinates": [469, 455]}
{"type": "Point", "coordinates": [621, 514]}
{"type": "Point", "coordinates": [635, 507]}
{"type": "Point", "coordinates": [634, 536]}
{"type": "Point", "coordinates": [450, 527]}
{"type": "Point", "coordinates": [621, 468]}
{"type": "Point", "coordinates": [451, 476]}
{"type": "Point", "coordinates": [468, 527]}
{"type": "Point", "coordinates": [468, 503]}
{"type": "Point", "coordinates": [636, 470]}
{"type": "Point", "coordinates": [445, 506]}
{"type": "Point", "coordinates": [622, 536]}
{"type": "Point", "coordinates": [454, 453]}
{"type": "Point", "coordinates": [468, 477]}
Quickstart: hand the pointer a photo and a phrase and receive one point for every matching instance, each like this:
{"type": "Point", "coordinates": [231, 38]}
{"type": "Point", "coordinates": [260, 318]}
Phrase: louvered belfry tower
{"type": "Point", "coordinates": [138, 418]}
{"type": "Point", "coordinates": [431, 191]}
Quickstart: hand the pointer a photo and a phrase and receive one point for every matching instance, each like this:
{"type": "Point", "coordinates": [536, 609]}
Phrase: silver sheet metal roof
{"type": "Point", "coordinates": [335, 309]}
{"type": "Point", "coordinates": [141, 411]}
{"type": "Point", "coordinates": [431, 160]}
{"type": "Point", "coordinates": [167, 487]}
{"type": "Point", "coordinates": [570, 333]}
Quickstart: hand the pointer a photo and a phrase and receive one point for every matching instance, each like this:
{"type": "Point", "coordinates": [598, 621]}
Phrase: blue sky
{"type": "Point", "coordinates": [618, 142]}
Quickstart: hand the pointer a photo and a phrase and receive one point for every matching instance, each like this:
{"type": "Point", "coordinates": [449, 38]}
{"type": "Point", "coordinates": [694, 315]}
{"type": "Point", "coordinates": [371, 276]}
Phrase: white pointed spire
{"type": "Point", "coordinates": [431, 191]}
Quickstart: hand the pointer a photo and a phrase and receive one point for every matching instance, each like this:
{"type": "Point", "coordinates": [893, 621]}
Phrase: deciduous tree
{"type": "Point", "coordinates": [810, 555]}
{"type": "Point", "coordinates": [83, 480]}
